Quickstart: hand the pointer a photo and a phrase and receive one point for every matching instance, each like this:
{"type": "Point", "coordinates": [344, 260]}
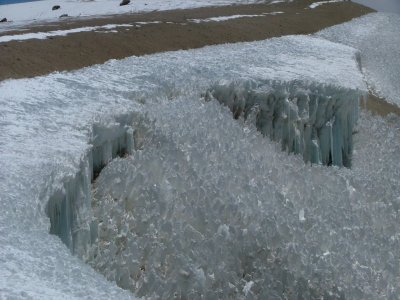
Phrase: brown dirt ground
{"type": "Point", "coordinates": [30, 58]}
{"type": "Point", "coordinates": [379, 106]}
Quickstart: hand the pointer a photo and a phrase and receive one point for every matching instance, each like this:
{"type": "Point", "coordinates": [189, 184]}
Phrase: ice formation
{"type": "Point", "coordinates": [211, 210]}
{"type": "Point", "coordinates": [316, 121]}
{"type": "Point", "coordinates": [68, 205]}
{"type": "Point", "coordinates": [376, 36]}
{"type": "Point", "coordinates": [59, 130]}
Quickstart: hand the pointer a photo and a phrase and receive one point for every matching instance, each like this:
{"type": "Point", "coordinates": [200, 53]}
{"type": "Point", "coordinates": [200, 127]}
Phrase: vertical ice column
{"type": "Point", "coordinates": [69, 208]}
{"type": "Point", "coordinates": [314, 120]}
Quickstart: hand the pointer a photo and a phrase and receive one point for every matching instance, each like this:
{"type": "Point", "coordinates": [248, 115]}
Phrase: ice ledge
{"type": "Point", "coordinates": [314, 120]}
{"type": "Point", "coordinates": [69, 207]}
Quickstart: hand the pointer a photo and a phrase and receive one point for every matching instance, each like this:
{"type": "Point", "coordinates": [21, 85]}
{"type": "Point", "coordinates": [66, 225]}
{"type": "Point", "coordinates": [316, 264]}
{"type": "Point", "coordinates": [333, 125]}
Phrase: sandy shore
{"type": "Point", "coordinates": [19, 59]}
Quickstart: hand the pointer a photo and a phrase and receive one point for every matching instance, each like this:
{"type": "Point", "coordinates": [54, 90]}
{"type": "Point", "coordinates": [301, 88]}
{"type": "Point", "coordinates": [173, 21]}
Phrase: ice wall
{"type": "Point", "coordinates": [69, 208]}
{"type": "Point", "coordinates": [315, 121]}
{"type": "Point", "coordinates": [377, 37]}
{"type": "Point", "coordinates": [44, 159]}
{"type": "Point", "coordinates": [50, 126]}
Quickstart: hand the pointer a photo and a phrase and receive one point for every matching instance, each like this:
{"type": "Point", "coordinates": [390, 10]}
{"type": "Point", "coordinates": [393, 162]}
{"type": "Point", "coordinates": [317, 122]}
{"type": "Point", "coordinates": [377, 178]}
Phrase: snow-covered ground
{"type": "Point", "coordinates": [42, 10]}
{"type": "Point", "coordinates": [378, 39]}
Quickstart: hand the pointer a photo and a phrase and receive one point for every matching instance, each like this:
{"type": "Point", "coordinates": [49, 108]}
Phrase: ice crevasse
{"type": "Point", "coordinates": [59, 130]}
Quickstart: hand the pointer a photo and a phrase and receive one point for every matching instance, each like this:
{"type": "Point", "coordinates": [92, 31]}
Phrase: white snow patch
{"type": "Point", "coordinates": [42, 10]}
{"type": "Point", "coordinates": [150, 22]}
{"type": "Point", "coordinates": [222, 18]}
{"type": "Point", "coordinates": [301, 215]}
{"type": "Point", "coordinates": [45, 35]}
{"type": "Point", "coordinates": [226, 18]}
{"type": "Point", "coordinates": [274, 13]}
{"type": "Point", "coordinates": [247, 287]}
{"type": "Point", "coordinates": [316, 4]}
{"type": "Point", "coordinates": [277, 1]}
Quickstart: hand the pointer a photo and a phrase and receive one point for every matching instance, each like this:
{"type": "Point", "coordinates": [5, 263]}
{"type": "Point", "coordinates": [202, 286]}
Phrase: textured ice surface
{"type": "Point", "coordinates": [44, 137]}
{"type": "Point", "coordinates": [210, 209]}
{"type": "Point", "coordinates": [55, 129]}
{"type": "Point", "coordinates": [377, 37]}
